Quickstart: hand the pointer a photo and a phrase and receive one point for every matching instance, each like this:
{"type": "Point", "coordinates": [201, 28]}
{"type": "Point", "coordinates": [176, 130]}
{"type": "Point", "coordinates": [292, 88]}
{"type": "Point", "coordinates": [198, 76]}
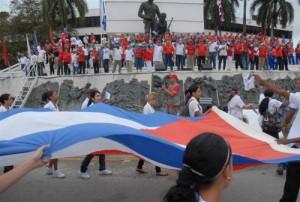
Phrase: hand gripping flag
{"type": "Point", "coordinates": [158, 138]}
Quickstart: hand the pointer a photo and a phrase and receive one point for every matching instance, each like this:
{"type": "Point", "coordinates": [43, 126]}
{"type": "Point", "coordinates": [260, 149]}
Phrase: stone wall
{"type": "Point", "coordinates": [130, 95]}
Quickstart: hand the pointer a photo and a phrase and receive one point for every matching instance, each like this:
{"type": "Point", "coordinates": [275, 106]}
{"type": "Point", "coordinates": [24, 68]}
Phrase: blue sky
{"type": "Point", "coordinates": [4, 6]}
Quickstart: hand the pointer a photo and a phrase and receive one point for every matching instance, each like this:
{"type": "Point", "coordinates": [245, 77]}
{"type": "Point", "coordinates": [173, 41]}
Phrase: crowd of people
{"type": "Point", "coordinates": [80, 55]}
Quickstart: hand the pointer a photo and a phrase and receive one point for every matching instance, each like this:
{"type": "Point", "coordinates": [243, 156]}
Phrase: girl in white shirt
{"type": "Point", "coordinates": [152, 100]}
{"type": "Point", "coordinates": [52, 98]}
{"type": "Point", "coordinates": [195, 108]}
{"type": "Point", "coordinates": [207, 170]}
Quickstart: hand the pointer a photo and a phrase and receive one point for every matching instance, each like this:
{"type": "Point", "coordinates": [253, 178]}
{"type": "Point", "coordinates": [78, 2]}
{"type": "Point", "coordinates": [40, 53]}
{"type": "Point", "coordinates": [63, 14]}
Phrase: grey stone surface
{"type": "Point", "coordinates": [131, 96]}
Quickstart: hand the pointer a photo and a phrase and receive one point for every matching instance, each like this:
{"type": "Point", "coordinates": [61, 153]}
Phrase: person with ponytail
{"type": "Point", "coordinates": [236, 105]}
{"type": "Point", "coordinates": [268, 104]}
{"type": "Point", "coordinates": [207, 170]}
{"type": "Point", "coordinates": [152, 99]}
{"type": "Point", "coordinates": [52, 97]}
{"type": "Point", "coordinates": [195, 108]}
{"type": "Point", "coordinates": [95, 97]}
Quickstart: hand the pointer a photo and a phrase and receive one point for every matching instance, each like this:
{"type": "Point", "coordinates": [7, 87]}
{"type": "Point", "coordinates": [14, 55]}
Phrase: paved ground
{"type": "Point", "coordinates": [259, 184]}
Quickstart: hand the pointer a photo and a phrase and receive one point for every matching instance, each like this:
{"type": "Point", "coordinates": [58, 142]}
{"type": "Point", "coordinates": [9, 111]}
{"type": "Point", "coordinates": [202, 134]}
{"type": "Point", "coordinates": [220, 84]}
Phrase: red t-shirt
{"type": "Point", "coordinates": [168, 49]}
{"type": "Point", "coordinates": [278, 52]}
{"type": "Point", "coordinates": [95, 55]}
{"type": "Point", "coordinates": [175, 89]}
{"type": "Point", "coordinates": [246, 48]}
{"type": "Point", "coordinates": [229, 51]}
{"type": "Point", "coordinates": [92, 39]}
{"type": "Point", "coordinates": [148, 54]}
{"type": "Point", "coordinates": [138, 53]}
{"type": "Point", "coordinates": [81, 57]}
{"type": "Point", "coordinates": [61, 56]}
{"type": "Point", "coordinates": [191, 50]}
{"type": "Point", "coordinates": [262, 52]}
{"type": "Point", "coordinates": [201, 49]}
{"type": "Point", "coordinates": [67, 57]}
{"type": "Point", "coordinates": [238, 49]}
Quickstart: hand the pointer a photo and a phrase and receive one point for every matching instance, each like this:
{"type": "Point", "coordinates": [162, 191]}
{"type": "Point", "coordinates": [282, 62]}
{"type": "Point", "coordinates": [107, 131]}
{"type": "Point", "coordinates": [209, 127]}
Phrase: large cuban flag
{"type": "Point", "coordinates": [158, 138]}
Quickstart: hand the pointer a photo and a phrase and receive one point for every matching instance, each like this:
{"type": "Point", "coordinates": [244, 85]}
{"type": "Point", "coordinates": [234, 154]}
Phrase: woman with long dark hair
{"type": "Point", "coordinates": [82, 172]}
{"type": "Point", "coordinates": [52, 97]}
{"type": "Point", "coordinates": [207, 170]}
{"type": "Point", "coordinates": [195, 108]}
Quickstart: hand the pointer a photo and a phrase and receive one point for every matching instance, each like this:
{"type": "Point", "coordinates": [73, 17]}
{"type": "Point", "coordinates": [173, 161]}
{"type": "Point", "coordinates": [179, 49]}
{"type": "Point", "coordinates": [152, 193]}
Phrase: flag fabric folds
{"type": "Point", "coordinates": [5, 54]}
{"type": "Point", "coordinates": [158, 138]}
{"type": "Point", "coordinates": [103, 14]}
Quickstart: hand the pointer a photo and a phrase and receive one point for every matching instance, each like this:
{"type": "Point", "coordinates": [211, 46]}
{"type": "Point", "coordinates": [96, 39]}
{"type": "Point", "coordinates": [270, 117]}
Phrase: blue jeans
{"type": "Point", "coordinates": [291, 59]}
{"type": "Point", "coordinates": [106, 65]}
{"type": "Point", "coordinates": [40, 68]}
{"type": "Point", "coordinates": [271, 60]}
{"type": "Point", "coordinates": [297, 58]}
{"type": "Point", "coordinates": [75, 69]}
{"type": "Point", "coordinates": [212, 58]}
{"type": "Point", "coordinates": [169, 61]}
{"type": "Point", "coordinates": [246, 61]}
{"type": "Point", "coordinates": [139, 63]}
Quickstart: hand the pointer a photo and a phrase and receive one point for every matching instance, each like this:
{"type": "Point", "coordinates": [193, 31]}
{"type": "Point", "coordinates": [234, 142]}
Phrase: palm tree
{"type": "Point", "coordinates": [272, 12]}
{"type": "Point", "coordinates": [211, 11]}
{"type": "Point", "coordinates": [60, 11]}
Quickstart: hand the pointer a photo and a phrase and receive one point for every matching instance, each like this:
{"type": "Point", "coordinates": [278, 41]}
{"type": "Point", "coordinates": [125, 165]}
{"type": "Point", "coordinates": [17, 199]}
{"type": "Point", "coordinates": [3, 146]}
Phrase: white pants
{"type": "Point", "coordinates": [149, 66]}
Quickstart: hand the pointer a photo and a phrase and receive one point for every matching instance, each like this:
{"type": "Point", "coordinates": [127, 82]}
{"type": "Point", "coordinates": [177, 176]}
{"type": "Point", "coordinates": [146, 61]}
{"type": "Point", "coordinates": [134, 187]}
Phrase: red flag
{"type": "Point", "coordinates": [51, 35]}
{"type": "Point", "coordinates": [5, 55]}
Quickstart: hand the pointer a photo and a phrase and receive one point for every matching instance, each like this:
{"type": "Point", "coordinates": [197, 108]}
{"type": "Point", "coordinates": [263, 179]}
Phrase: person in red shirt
{"type": "Point", "coordinates": [60, 63]}
{"type": "Point", "coordinates": [245, 51]}
{"type": "Point", "coordinates": [81, 60]}
{"type": "Point", "coordinates": [148, 58]}
{"type": "Point", "coordinates": [238, 54]}
{"type": "Point", "coordinates": [95, 57]}
{"type": "Point", "coordinates": [262, 57]}
{"type": "Point", "coordinates": [279, 57]}
{"type": "Point", "coordinates": [66, 61]}
{"type": "Point", "coordinates": [92, 38]}
{"type": "Point", "coordinates": [202, 49]}
{"type": "Point", "coordinates": [251, 56]}
{"type": "Point", "coordinates": [190, 49]}
{"type": "Point", "coordinates": [172, 94]}
{"type": "Point", "coordinates": [169, 51]}
{"type": "Point", "coordinates": [139, 54]}
{"type": "Point", "coordinates": [285, 55]}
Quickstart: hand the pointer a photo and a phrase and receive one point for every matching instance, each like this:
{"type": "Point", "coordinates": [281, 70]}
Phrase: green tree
{"type": "Point", "coordinates": [228, 7]}
{"type": "Point", "coordinates": [273, 12]}
{"type": "Point", "coordinates": [60, 12]}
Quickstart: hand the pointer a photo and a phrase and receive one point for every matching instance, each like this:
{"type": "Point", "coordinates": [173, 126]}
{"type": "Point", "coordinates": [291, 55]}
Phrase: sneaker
{"type": "Point", "coordinates": [58, 174]}
{"type": "Point", "coordinates": [141, 170]}
{"type": "Point", "coordinates": [105, 172]}
{"type": "Point", "coordinates": [162, 174]}
{"type": "Point", "coordinates": [49, 171]}
{"type": "Point", "coordinates": [83, 175]}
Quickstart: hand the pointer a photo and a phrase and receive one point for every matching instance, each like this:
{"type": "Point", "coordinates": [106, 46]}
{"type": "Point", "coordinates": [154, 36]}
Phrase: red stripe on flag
{"type": "Point", "coordinates": [5, 55]}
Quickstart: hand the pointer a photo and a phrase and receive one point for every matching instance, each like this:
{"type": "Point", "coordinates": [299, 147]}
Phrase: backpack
{"type": "Point", "coordinates": [184, 111]}
{"type": "Point", "coordinates": [271, 122]}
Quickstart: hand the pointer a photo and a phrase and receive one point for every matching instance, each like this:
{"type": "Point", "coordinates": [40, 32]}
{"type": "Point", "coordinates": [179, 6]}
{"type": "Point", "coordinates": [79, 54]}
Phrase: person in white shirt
{"type": "Point", "coordinates": [33, 61]}
{"type": "Point", "coordinates": [79, 42]}
{"type": "Point", "coordinates": [23, 61]}
{"type": "Point", "coordinates": [117, 59]}
{"type": "Point", "coordinates": [236, 105]}
{"type": "Point", "coordinates": [271, 105]}
{"type": "Point", "coordinates": [152, 100]}
{"type": "Point", "coordinates": [207, 170]}
{"type": "Point", "coordinates": [82, 172]}
{"type": "Point", "coordinates": [292, 183]}
{"type": "Point", "coordinates": [212, 52]}
{"type": "Point", "coordinates": [86, 39]}
{"type": "Point", "coordinates": [222, 54]}
{"type": "Point", "coordinates": [129, 58]}
{"type": "Point", "coordinates": [74, 61]}
{"type": "Point", "coordinates": [180, 50]}
{"type": "Point", "coordinates": [73, 42]}
{"type": "Point", "coordinates": [52, 98]}
{"type": "Point", "coordinates": [195, 108]}
{"type": "Point", "coordinates": [106, 57]}
{"type": "Point", "coordinates": [158, 54]}
{"type": "Point", "coordinates": [85, 103]}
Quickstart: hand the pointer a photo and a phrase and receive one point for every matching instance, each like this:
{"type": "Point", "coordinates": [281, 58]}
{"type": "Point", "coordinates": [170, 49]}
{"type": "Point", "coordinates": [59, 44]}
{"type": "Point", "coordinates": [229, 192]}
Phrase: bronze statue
{"type": "Point", "coordinates": [161, 27]}
{"type": "Point", "coordinates": [149, 11]}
